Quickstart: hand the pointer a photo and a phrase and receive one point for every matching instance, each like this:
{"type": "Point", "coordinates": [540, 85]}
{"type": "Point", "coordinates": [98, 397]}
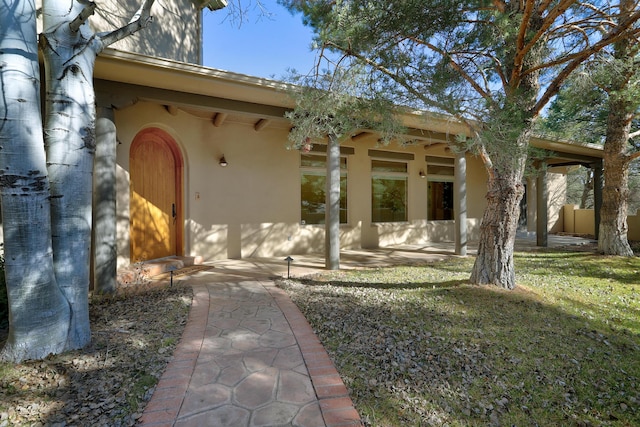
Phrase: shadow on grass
{"type": "Point", "coordinates": [447, 284]}
{"type": "Point", "coordinates": [431, 352]}
{"type": "Point", "coordinates": [625, 270]}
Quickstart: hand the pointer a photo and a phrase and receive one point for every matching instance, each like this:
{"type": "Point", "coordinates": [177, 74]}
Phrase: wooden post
{"type": "Point", "coordinates": [104, 204]}
{"type": "Point", "coordinates": [460, 203]}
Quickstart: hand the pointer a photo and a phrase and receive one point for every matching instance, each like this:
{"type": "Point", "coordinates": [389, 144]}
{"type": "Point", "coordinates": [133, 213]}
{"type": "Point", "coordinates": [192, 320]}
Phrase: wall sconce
{"type": "Point", "coordinates": [223, 161]}
{"type": "Point", "coordinates": [422, 175]}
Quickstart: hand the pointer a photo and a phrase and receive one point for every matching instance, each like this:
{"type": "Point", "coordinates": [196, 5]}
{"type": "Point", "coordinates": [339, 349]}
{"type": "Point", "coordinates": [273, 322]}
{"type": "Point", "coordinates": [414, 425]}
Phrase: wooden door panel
{"type": "Point", "coordinates": [154, 197]}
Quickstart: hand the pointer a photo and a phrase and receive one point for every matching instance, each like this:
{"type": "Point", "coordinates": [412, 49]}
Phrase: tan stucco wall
{"type": "Point", "coordinates": [557, 197]}
{"type": "Point", "coordinates": [633, 221]}
{"type": "Point", "coordinates": [556, 193]}
{"type": "Point", "coordinates": [175, 32]}
{"type": "Point", "coordinates": [582, 221]}
{"type": "Point", "coordinates": [251, 208]}
{"type": "Point", "coordinates": [578, 221]}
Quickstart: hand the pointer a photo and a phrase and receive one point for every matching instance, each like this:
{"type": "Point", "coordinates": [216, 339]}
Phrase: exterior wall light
{"type": "Point", "coordinates": [422, 175]}
{"type": "Point", "coordinates": [223, 162]}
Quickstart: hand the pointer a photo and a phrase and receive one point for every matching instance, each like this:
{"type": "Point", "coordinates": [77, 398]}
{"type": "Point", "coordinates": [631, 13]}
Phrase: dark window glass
{"type": "Point", "coordinates": [388, 199]}
{"type": "Point", "coordinates": [440, 201]}
{"type": "Point", "coordinates": [312, 189]}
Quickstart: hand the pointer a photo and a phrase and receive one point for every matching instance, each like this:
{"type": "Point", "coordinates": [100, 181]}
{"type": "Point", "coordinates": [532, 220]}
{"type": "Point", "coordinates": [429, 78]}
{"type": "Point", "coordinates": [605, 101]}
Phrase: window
{"type": "Point", "coordinates": [312, 189]}
{"type": "Point", "coordinates": [388, 191]}
{"type": "Point", "coordinates": [440, 174]}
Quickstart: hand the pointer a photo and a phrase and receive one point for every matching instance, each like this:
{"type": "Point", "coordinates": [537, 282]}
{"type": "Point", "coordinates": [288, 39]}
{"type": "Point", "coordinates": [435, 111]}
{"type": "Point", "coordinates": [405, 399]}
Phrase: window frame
{"type": "Point", "coordinates": [440, 163]}
{"type": "Point", "coordinates": [321, 171]}
{"type": "Point", "coordinates": [391, 176]}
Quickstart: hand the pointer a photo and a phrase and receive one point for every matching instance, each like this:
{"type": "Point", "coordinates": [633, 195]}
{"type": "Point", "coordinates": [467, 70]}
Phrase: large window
{"type": "Point", "coordinates": [388, 191]}
{"type": "Point", "coordinates": [440, 174]}
{"type": "Point", "coordinates": [312, 190]}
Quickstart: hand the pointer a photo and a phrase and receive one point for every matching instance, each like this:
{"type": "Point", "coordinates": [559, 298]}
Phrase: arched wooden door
{"type": "Point", "coordinates": [155, 165]}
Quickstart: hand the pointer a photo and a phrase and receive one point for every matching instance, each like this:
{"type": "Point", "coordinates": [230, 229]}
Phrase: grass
{"type": "Point", "coordinates": [419, 346]}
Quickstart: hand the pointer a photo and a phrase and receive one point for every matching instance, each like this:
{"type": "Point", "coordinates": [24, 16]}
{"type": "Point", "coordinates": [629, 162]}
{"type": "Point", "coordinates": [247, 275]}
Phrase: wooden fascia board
{"type": "Point", "coordinates": [576, 151]}
{"type": "Point", "coordinates": [190, 100]}
{"type": "Point", "coordinates": [126, 67]}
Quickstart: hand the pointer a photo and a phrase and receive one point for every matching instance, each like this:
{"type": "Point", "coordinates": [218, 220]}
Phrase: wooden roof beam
{"type": "Point", "coordinates": [218, 119]}
{"type": "Point", "coordinates": [261, 124]}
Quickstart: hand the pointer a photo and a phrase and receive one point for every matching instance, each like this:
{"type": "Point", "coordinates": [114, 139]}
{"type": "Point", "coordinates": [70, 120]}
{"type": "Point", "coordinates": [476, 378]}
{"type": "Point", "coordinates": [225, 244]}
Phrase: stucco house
{"type": "Point", "coordinates": [195, 162]}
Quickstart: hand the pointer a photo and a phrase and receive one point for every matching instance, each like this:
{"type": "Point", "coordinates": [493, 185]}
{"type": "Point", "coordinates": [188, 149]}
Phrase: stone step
{"type": "Point", "coordinates": [139, 272]}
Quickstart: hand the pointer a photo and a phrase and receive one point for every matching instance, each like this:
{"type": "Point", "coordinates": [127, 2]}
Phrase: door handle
{"type": "Point", "coordinates": [173, 210]}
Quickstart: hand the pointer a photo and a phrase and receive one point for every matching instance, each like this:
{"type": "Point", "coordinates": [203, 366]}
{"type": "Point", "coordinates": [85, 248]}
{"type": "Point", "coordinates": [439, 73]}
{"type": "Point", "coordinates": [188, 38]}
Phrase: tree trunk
{"type": "Point", "coordinates": [70, 143]}
{"type": "Point", "coordinates": [39, 313]}
{"type": "Point", "coordinates": [494, 263]}
{"type": "Point", "coordinates": [612, 237]}
{"type": "Point", "coordinates": [332, 203]}
{"type": "Point", "coordinates": [46, 200]}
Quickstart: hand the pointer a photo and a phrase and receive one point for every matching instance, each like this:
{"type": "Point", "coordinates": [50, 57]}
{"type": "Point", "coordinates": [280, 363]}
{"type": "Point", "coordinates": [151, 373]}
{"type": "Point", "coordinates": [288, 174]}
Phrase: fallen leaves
{"type": "Point", "coordinates": [109, 382]}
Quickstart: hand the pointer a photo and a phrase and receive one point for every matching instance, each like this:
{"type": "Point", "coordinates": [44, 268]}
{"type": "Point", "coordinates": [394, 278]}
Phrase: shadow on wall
{"type": "Point", "coordinates": [220, 241]}
{"type": "Point", "coordinates": [557, 196]}
{"type": "Point", "coordinates": [417, 232]}
{"type": "Point", "coordinates": [265, 240]}
{"type": "Point", "coordinates": [173, 33]}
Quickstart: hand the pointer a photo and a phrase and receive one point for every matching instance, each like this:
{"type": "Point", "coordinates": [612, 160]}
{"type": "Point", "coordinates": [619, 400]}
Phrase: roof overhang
{"type": "Point", "coordinates": [568, 153]}
{"type": "Point", "coordinates": [124, 77]}
{"type": "Point", "coordinates": [125, 67]}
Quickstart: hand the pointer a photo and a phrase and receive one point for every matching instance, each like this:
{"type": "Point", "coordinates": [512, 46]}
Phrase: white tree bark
{"type": "Point", "coordinates": [70, 143]}
{"type": "Point", "coordinates": [46, 204]}
{"type": "Point", "coordinates": [39, 313]}
{"type": "Point", "coordinates": [70, 48]}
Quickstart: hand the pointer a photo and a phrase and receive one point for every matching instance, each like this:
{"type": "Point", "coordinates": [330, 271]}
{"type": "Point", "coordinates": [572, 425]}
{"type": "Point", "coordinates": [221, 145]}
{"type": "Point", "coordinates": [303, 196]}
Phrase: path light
{"type": "Point", "coordinates": [288, 259]}
{"type": "Point", "coordinates": [171, 270]}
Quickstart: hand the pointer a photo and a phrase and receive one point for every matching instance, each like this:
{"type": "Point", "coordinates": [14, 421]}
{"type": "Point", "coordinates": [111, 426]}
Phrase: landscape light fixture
{"type": "Point", "coordinates": [223, 161]}
{"type": "Point", "coordinates": [288, 259]}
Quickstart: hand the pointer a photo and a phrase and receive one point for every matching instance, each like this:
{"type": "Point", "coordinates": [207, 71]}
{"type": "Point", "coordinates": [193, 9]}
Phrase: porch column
{"type": "Point", "coordinates": [597, 195]}
{"type": "Point", "coordinates": [542, 202]}
{"type": "Point", "coordinates": [460, 203]}
{"type": "Point", "coordinates": [332, 206]}
{"type": "Point", "coordinates": [104, 203]}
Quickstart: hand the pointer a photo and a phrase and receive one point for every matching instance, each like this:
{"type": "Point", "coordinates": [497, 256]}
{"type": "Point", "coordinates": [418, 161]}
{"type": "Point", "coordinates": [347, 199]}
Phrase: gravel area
{"type": "Point", "coordinates": [109, 382]}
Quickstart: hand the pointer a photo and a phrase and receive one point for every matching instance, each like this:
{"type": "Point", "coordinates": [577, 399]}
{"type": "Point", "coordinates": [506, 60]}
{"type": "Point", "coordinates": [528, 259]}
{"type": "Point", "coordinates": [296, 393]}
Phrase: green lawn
{"type": "Point", "coordinates": [420, 346]}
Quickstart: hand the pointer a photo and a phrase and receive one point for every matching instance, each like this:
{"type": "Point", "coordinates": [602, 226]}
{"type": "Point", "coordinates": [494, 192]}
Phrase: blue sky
{"type": "Point", "coordinates": [261, 46]}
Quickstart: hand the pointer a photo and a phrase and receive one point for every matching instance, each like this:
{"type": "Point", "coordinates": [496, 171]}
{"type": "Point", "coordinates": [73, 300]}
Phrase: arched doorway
{"type": "Point", "coordinates": [156, 221]}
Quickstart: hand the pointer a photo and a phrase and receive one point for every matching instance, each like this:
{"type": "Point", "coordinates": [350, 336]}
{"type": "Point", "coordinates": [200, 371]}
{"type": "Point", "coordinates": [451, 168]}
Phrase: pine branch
{"type": "Point", "coordinates": [623, 30]}
{"type": "Point", "coordinates": [634, 134]}
{"type": "Point", "coordinates": [523, 49]}
{"type": "Point", "coordinates": [483, 93]}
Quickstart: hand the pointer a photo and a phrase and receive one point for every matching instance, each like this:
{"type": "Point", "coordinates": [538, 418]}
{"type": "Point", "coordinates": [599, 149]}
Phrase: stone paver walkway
{"type": "Point", "coordinates": [248, 357]}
